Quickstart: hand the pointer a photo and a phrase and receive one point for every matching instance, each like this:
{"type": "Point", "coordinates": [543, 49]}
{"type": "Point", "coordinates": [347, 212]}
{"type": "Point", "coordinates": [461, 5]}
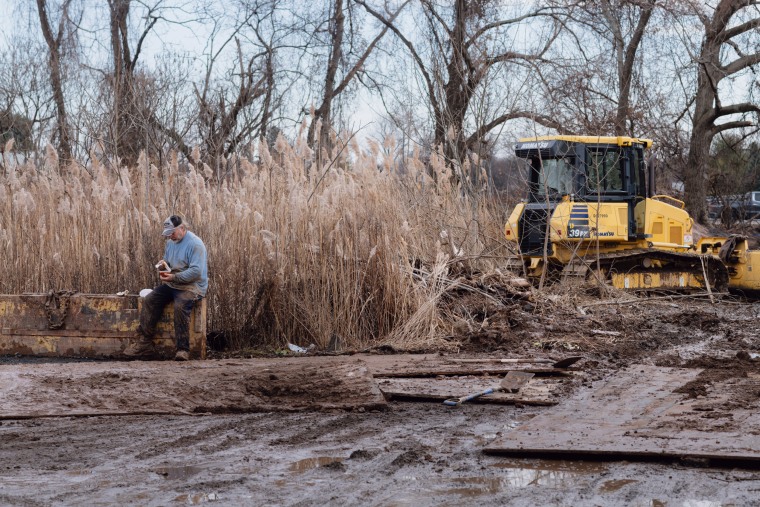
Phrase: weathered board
{"type": "Point", "coordinates": [86, 325]}
{"type": "Point", "coordinates": [637, 415]}
{"type": "Point", "coordinates": [138, 387]}
{"type": "Point", "coordinates": [538, 391]}
{"type": "Point", "coordinates": [435, 365]}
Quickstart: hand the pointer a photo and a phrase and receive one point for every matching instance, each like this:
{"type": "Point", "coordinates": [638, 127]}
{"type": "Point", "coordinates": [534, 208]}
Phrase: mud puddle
{"type": "Point", "coordinates": [196, 498]}
{"type": "Point", "coordinates": [616, 484]}
{"type": "Point", "coordinates": [307, 464]}
{"type": "Point", "coordinates": [543, 473]}
{"type": "Point", "coordinates": [179, 472]}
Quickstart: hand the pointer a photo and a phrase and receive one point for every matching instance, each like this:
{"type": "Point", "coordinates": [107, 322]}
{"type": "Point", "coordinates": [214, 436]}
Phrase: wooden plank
{"type": "Point", "coordinates": [637, 415]}
{"type": "Point", "coordinates": [466, 370]}
{"type": "Point", "coordinates": [435, 365]}
{"type": "Point", "coordinates": [511, 360]}
{"type": "Point", "coordinates": [539, 391]}
{"type": "Point", "coordinates": [138, 387]}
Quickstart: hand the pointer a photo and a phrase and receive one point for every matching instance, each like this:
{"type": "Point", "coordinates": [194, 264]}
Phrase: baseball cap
{"type": "Point", "coordinates": [170, 224]}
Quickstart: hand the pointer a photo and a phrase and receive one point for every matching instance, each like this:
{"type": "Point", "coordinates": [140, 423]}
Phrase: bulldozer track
{"type": "Point", "coordinates": [633, 262]}
{"type": "Point", "coordinates": [700, 266]}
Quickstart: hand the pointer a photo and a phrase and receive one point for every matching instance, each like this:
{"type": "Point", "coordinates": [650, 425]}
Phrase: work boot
{"type": "Point", "coordinates": [182, 355]}
{"type": "Point", "coordinates": [140, 346]}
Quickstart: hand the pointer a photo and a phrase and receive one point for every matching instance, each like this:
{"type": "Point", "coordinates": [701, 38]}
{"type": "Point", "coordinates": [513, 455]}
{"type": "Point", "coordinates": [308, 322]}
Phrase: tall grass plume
{"type": "Point", "coordinates": [354, 251]}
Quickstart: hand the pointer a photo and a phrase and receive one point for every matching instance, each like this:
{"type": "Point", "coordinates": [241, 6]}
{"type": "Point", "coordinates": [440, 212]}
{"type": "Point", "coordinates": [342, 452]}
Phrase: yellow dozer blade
{"type": "Point", "coordinates": [66, 324]}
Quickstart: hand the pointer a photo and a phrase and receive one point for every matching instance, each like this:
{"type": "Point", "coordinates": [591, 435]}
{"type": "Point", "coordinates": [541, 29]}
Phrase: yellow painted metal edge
{"type": "Point", "coordinates": [619, 140]}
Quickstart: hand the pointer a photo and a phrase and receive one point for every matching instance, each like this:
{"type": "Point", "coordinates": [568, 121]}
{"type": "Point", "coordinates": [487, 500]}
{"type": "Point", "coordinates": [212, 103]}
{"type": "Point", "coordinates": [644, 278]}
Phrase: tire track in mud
{"type": "Point", "coordinates": [305, 431]}
{"type": "Point", "coordinates": [413, 454]}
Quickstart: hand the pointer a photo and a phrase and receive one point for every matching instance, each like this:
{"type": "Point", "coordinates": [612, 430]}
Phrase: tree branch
{"type": "Point", "coordinates": [542, 12]}
{"type": "Point", "coordinates": [153, 21]}
{"type": "Point", "coordinates": [716, 129]}
{"type": "Point", "coordinates": [730, 33]}
{"type": "Point", "coordinates": [360, 62]}
{"type": "Point", "coordinates": [741, 64]}
{"type": "Point", "coordinates": [541, 120]}
{"type": "Point", "coordinates": [425, 75]}
{"type": "Point", "coordinates": [744, 107]}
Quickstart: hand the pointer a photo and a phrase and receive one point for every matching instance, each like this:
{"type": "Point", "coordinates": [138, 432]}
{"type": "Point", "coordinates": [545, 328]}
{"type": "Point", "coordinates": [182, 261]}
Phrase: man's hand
{"type": "Point", "coordinates": [166, 277]}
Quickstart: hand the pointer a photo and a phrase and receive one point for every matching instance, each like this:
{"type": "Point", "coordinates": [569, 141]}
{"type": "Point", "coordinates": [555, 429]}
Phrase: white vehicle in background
{"type": "Point", "coordinates": [752, 206]}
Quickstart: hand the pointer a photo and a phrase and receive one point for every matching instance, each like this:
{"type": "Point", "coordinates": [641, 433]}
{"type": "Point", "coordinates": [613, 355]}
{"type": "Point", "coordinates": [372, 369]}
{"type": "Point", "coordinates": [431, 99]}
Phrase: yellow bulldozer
{"type": "Point", "coordinates": [592, 213]}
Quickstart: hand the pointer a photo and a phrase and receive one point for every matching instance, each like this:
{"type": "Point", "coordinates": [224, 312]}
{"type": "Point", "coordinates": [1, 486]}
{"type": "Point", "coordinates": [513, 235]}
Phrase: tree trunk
{"type": "Point", "coordinates": [625, 70]}
{"type": "Point", "coordinates": [127, 134]}
{"type": "Point", "coordinates": [323, 112]}
{"type": "Point", "coordinates": [457, 90]}
{"type": "Point", "coordinates": [694, 175]}
{"type": "Point", "coordinates": [701, 133]}
{"type": "Point", "coordinates": [56, 82]}
{"type": "Point", "coordinates": [707, 104]}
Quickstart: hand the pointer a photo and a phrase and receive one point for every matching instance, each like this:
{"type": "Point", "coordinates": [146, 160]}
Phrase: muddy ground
{"type": "Point", "coordinates": [414, 453]}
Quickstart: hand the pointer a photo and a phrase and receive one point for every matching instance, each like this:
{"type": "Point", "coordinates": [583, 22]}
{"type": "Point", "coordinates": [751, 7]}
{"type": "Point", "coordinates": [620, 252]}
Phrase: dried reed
{"type": "Point", "coordinates": [297, 252]}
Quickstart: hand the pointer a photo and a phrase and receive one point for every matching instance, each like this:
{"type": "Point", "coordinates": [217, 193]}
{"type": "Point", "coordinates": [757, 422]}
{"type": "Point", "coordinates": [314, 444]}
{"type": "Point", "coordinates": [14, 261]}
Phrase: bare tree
{"type": "Point", "coordinates": [466, 42]}
{"type": "Point", "coordinates": [130, 119]}
{"type": "Point", "coordinates": [218, 119]}
{"type": "Point", "coordinates": [241, 104]}
{"type": "Point", "coordinates": [338, 58]}
{"type": "Point", "coordinates": [596, 100]}
{"type": "Point", "coordinates": [625, 54]}
{"type": "Point", "coordinates": [56, 42]}
{"type": "Point", "coordinates": [26, 106]}
{"type": "Point", "coordinates": [729, 47]}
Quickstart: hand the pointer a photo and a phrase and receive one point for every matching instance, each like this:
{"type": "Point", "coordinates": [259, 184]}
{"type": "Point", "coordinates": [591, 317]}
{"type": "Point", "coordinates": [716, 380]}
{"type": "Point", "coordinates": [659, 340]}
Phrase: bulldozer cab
{"type": "Point", "coordinates": [586, 169]}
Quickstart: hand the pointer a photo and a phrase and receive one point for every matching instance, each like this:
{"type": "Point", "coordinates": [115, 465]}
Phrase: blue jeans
{"type": "Point", "coordinates": [153, 308]}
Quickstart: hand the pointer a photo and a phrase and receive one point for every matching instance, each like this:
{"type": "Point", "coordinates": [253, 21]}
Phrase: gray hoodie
{"type": "Point", "coordinates": [188, 261]}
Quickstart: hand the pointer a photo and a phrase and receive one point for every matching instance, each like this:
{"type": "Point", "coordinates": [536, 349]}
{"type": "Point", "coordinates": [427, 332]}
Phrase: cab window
{"type": "Point", "coordinates": [604, 171]}
{"type": "Point", "coordinates": [556, 177]}
{"type": "Point", "coordinates": [638, 172]}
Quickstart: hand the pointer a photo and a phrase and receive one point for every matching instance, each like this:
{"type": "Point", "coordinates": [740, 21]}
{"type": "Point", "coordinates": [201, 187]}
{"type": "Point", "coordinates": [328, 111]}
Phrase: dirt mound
{"type": "Point", "coordinates": [240, 386]}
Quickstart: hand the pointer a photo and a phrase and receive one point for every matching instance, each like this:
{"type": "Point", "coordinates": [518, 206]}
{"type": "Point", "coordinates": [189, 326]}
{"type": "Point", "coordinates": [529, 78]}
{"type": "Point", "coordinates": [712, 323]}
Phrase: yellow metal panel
{"type": "Point", "coordinates": [666, 225]}
{"type": "Point", "coordinates": [510, 228]}
{"type": "Point", "coordinates": [85, 325]}
{"type": "Point", "coordinates": [622, 221]}
{"type": "Point", "coordinates": [676, 234]}
{"type": "Point", "coordinates": [582, 221]}
{"type": "Point", "coordinates": [745, 275]}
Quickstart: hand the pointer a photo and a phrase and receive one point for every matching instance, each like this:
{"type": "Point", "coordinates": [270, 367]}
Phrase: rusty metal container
{"type": "Point", "coordinates": [66, 324]}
